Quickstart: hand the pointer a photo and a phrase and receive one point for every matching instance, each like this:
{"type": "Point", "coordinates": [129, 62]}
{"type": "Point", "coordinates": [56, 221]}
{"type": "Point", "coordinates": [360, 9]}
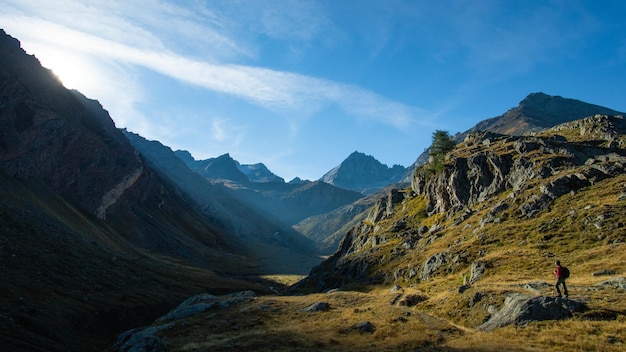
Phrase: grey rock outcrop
{"type": "Point", "coordinates": [566, 167]}
{"type": "Point", "coordinates": [478, 269]}
{"type": "Point", "coordinates": [384, 207]}
{"type": "Point", "coordinates": [142, 340]}
{"type": "Point", "coordinates": [521, 309]}
{"type": "Point", "coordinates": [203, 302]}
{"type": "Point", "coordinates": [146, 339]}
{"type": "Point", "coordinates": [616, 283]}
{"type": "Point", "coordinates": [317, 307]}
{"type": "Point", "coordinates": [432, 264]}
{"type": "Point", "coordinates": [362, 327]}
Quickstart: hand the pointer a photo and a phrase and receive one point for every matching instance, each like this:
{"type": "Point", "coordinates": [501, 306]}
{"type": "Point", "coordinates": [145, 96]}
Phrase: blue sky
{"type": "Point", "coordinates": [299, 85]}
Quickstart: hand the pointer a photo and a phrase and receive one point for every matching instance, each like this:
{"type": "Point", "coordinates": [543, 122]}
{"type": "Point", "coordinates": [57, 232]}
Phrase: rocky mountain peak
{"type": "Point", "coordinates": [363, 173]}
{"type": "Point", "coordinates": [224, 167]}
{"type": "Point", "coordinates": [259, 173]}
{"type": "Point", "coordinates": [539, 111]}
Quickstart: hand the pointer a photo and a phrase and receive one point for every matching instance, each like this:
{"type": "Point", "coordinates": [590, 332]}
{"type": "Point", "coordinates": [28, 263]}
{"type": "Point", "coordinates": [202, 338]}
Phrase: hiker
{"type": "Point", "coordinates": [561, 274]}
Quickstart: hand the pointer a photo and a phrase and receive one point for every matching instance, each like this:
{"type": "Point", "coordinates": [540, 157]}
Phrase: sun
{"type": "Point", "coordinates": [73, 70]}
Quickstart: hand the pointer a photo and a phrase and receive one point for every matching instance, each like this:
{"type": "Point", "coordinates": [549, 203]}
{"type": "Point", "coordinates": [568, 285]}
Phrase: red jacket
{"type": "Point", "coordinates": [557, 272]}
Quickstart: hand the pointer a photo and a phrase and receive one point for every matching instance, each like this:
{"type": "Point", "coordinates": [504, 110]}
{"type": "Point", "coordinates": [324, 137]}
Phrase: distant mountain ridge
{"type": "Point", "coordinates": [363, 173]}
{"type": "Point", "coordinates": [288, 202]}
{"type": "Point", "coordinates": [223, 167]}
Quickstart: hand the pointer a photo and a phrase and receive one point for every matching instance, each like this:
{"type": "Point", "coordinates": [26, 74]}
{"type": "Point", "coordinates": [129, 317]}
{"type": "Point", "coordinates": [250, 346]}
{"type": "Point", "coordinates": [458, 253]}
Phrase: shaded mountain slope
{"type": "Point", "coordinates": [327, 230]}
{"type": "Point", "coordinates": [71, 283]}
{"type": "Point", "coordinates": [258, 233]}
{"type": "Point", "coordinates": [92, 238]}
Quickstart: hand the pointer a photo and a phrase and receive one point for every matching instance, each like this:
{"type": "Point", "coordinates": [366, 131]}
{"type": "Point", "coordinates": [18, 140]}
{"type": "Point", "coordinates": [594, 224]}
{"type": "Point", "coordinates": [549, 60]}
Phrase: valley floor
{"type": "Point", "coordinates": [383, 319]}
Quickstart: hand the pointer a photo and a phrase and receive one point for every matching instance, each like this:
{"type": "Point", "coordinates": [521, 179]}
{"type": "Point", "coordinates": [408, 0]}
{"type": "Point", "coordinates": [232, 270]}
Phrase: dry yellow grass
{"type": "Point", "coordinates": [279, 323]}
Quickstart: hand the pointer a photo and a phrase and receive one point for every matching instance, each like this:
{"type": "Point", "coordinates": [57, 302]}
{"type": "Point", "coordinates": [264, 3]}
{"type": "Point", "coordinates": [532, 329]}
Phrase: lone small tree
{"type": "Point", "coordinates": [442, 144]}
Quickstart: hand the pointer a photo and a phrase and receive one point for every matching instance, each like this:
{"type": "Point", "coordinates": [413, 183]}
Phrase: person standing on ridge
{"type": "Point", "coordinates": [561, 274]}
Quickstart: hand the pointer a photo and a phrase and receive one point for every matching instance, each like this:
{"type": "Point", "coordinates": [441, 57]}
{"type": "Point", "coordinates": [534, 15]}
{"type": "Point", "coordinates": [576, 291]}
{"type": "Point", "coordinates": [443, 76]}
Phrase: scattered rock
{"type": "Point", "coordinates": [413, 299]}
{"type": "Point", "coordinates": [142, 340]}
{"type": "Point", "coordinates": [396, 289]}
{"type": "Point", "coordinates": [617, 283]}
{"type": "Point", "coordinates": [536, 286]}
{"type": "Point", "coordinates": [432, 264]}
{"type": "Point", "coordinates": [363, 327]}
{"type": "Point", "coordinates": [605, 272]}
{"type": "Point", "coordinates": [203, 302]}
{"type": "Point", "coordinates": [478, 269]}
{"type": "Point", "coordinates": [477, 297]}
{"type": "Point", "coordinates": [317, 307]}
{"type": "Point", "coordinates": [398, 225]}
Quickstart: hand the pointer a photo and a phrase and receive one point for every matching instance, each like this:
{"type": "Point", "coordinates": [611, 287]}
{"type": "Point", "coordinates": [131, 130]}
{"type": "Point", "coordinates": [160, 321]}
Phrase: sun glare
{"type": "Point", "coordinates": [72, 70]}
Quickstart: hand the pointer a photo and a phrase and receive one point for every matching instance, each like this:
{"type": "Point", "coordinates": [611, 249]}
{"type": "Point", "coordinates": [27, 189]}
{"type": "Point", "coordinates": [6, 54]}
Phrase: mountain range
{"type": "Point", "coordinates": [94, 237]}
{"type": "Point", "coordinates": [102, 231]}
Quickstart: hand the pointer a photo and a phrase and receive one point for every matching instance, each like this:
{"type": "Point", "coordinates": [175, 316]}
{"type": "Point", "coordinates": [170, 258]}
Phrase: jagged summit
{"type": "Point", "coordinates": [363, 173]}
{"type": "Point", "coordinates": [224, 167]}
{"type": "Point", "coordinates": [259, 173]}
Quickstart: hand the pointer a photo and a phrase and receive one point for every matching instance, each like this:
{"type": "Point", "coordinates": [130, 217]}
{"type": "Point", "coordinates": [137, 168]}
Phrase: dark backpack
{"type": "Point", "coordinates": [564, 272]}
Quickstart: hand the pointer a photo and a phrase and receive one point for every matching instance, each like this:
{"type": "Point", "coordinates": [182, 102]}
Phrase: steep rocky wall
{"type": "Point", "coordinates": [487, 164]}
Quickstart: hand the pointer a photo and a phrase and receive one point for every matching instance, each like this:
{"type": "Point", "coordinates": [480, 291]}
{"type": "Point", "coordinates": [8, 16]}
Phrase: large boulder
{"type": "Point", "coordinates": [521, 309]}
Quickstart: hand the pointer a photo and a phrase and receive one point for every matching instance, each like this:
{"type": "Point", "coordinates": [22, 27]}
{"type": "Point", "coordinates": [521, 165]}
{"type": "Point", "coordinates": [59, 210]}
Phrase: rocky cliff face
{"type": "Point", "coordinates": [363, 173]}
{"type": "Point", "coordinates": [497, 163]}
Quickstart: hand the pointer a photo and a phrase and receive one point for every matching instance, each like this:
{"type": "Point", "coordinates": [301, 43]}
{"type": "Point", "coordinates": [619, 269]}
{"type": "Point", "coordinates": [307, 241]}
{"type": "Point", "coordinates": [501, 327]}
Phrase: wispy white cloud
{"type": "Point", "coordinates": [128, 43]}
{"type": "Point", "coordinates": [271, 89]}
{"type": "Point", "coordinates": [224, 130]}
